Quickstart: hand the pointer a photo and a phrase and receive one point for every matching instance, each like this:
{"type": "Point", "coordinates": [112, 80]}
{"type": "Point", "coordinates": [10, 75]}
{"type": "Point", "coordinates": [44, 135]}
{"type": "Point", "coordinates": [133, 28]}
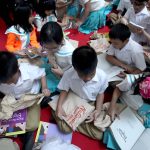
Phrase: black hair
{"type": "Point", "coordinates": [46, 5]}
{"type": "Point", "coordinates": [22, 13]}
{"type": "Point", "coordinates": [120, 31]}
{"type": "Point", "coordinates": [140, 1]}
{"type": "Point", "coordinates": [84, 59]}
{"type": "Point", "coordinates": [51, 32]}
{"type": "Point", "coordinates": [8, 65]}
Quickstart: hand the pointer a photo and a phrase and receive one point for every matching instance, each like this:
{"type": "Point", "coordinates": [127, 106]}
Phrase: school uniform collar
{"type": "Point", "coordinates": [12, 29]}
{"type": "Point", "coordinates": [127, 46]}
{"type": "Point", "coordinates": [76, 77]}
{"type": "Point", "coordinates": [144, 11]}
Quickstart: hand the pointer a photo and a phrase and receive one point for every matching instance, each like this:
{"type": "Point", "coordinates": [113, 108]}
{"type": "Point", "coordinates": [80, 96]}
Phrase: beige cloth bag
{"type": "Point", "coordinates": [76, 109]}
{"type": "Point", "coordinates": [9, 104]}
{"type": "Point", "coordinates": [8, 144]}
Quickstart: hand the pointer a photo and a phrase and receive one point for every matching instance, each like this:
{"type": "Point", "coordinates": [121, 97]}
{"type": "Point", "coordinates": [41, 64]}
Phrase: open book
{"type": "Point", "coordinates": [129, 132]}
{"type": "Point", "coordinates": [111, 70]}
{"type": "Point", "coordinates": [49, 130]}
{"type": "Point", "coordinates": [136, 25]}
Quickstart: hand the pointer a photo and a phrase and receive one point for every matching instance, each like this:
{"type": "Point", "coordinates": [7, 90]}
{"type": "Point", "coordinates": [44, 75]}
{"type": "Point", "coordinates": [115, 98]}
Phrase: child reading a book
{"type": "Point", "coordinates": [46, 12]}
{"type": "Point", "coordinates": [137, 14]}
{"type": "Point", "coordinates": [58, 50]}
{"type": "Point", "coordinates": [22, 34]}
{"type": "Point", "coordinates": [124, 53]}
{"type": "Point", "coordinates": [19, 79]}
{"type": "Point", "coordinates": [137, 98]}
{"type": "Point", "coordinates": [89, 83]}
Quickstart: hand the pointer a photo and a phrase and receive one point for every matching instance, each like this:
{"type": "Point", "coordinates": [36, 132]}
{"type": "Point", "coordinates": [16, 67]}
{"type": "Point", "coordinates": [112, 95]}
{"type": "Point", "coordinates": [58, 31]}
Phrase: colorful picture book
{"type": "Point", "coordinates": [49, 130]}
{"type": "Point", "coordinates": [15, 125]}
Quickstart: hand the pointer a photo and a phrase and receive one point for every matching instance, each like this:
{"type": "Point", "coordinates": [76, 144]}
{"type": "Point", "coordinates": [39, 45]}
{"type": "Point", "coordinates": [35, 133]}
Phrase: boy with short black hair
{"type": "Point", "coordinates": [127, 54]}
{"type": "Point", "coordinates": [19, 79]}
{"type": "Point", "coordinates": [88, 82]}
{"type": "Point", "coordinates": [124, 52]}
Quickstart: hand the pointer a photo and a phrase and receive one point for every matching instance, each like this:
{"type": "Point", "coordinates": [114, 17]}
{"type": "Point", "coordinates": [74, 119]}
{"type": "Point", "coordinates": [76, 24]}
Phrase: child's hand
{"type": "Point", "coordinates": [93, 116]}
{"type": "Point", "coordinates": [78, 23]}
{"type": "Point", "coordinates": [121, 75]}
{"type": "Point", "coordinates": [46, 92]}
{"type": "Point", "coordinates": [124, 21]}
{"type": "Point", "coordinates": [112, 113]}
{"type": "Point", "coordinates": [60, 113]}
{"type": "Point", "coordinates": [57, 71]}
{"type": "Point", "coordinates": [96, 114]}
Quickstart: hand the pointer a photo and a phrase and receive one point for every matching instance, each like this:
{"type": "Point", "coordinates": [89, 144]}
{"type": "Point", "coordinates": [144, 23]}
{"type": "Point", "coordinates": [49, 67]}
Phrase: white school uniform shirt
{"type": "Point", "coordinates": [86, 90]}
{"type": "Point", "coordinates": [39, 21]}
{"type": "Point", "coordinates": [64, 55]}
{"type": "Point", "coordinates": [24, 37]}
{"type": "Point", "coordinates": [139, 19]}
{"type": "Point", "coordinates": [127, 96]}
{"type": "Point", "coordinates": [95, 4]}
{"type": "Point", "coordinates": [28, 82]}
{"type": "Point", "coordinates": [131, 54]}
{"type": "Point", "coordinates": [124, 4]}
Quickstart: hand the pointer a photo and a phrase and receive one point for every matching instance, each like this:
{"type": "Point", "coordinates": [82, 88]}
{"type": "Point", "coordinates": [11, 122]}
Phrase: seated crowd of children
{"type": "Point", "coordinates": [63, 68]}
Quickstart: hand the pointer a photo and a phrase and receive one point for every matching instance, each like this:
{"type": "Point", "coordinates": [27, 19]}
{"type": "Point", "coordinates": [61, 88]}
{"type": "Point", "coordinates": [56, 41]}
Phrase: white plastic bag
{"type": "Point", "coordinates": [58, 144]}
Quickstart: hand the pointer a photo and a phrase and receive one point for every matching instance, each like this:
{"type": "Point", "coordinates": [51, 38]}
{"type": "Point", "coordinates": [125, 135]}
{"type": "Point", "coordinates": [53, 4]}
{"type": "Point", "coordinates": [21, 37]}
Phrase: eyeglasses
{"type": "Point", "coordinates": [52, 49]}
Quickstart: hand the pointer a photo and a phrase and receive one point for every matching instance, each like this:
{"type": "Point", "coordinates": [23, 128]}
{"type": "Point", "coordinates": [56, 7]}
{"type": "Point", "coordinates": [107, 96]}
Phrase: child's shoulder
{"type": "Point", "coordinates": [12, 29]}
{"type": "Point", "coordinates": [134, 46]}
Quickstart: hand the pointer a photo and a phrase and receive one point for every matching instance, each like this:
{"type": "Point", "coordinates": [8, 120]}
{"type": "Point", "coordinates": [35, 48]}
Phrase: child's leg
{"type": "Point", "coordinates": [90, 130]}
{"type": "Point", "coordinates": [61, 124]}
{"type": "Point", "coordinates": [87, 129]}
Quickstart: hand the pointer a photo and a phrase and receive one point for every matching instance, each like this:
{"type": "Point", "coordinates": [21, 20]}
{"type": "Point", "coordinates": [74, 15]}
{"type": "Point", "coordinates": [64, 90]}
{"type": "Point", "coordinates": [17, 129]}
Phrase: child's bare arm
{"type": "Point", "coordinates": [45, 90]}
{"type": "Point", "coordinates": [86, 11]}
{"type": "Point", "coordinates": [112, 108]}
{"type": "Point", "coordinates": [59, 110]}
{"type": "Point", "coordinates": [115, 61]}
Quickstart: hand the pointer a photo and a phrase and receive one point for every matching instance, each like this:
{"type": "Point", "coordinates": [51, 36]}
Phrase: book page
{"type": "Point", "coordinates": [143, 142]}
{"type": "Point", "coordinates": [108, 68]}
{"type": "Point", "coordinates": [135, 25]}
{"type": "Point", "coordinates": [127, 129]}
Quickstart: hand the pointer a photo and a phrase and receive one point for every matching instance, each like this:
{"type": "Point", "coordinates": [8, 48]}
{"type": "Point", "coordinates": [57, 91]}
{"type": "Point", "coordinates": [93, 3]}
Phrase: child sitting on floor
{"type": "Point", "coordinates": [17, 80]}
{"type": "Point", "coordinates": [125, 53]}
{"type": "Point", "coordinates": [58, 50]}
{"type": "Point", "coordinates": [22, 34]}
{"type": "Point", "coordinates": [139, 15]}
{"type": "Point", "coordinates": [89, 83]}
{"type": "Point", "coordinates": [91, 15]}
{"type": "Point", "coordinates": [46, 12]}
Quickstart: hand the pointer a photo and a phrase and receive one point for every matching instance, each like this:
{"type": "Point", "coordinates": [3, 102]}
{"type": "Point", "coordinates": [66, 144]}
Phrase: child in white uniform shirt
{"type": "Point", "coordinates": [17, 80]}
{"type": "Point", "coordinates": [125, 53]}
{"type": "Point", "coordinates": [46, 12]}
{"type": "Point", "coordinates": [86, 81]}
{"type": "Point", "coordinates": [137, 14]}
